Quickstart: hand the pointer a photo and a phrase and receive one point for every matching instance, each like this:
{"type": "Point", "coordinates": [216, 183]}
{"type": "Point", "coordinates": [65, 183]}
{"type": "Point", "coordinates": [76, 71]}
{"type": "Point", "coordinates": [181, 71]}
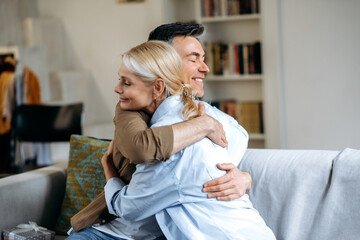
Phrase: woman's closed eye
{"type": "Point", "coordinates": [124, 82]}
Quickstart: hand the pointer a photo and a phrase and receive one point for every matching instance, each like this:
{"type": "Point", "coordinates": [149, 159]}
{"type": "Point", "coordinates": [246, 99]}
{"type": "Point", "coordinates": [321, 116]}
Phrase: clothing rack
{"type": "Point", "coordinates": [19, 85]}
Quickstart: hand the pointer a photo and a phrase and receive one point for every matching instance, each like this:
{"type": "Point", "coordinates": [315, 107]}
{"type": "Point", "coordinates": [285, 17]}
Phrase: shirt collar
{"type": "Point", "coordinates": [171, 103]}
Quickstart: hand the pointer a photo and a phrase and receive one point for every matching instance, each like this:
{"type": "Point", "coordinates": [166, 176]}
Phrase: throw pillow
{"type": "Point", "coordinates": [85, 177]}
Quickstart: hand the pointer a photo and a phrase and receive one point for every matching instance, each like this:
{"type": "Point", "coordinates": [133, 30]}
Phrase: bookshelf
{"type": "Point", "coordinates": [233, 28]}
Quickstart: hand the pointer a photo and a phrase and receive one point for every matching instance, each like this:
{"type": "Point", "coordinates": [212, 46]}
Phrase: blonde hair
{"type": "Point", "coordinates": [157, 59]}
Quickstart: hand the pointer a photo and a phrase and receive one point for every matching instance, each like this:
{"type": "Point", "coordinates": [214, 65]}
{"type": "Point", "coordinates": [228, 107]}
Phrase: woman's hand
{"type": "Point", "coordinates": [108, 164]}
{"type": "Point", "coordinates": [232, 185]}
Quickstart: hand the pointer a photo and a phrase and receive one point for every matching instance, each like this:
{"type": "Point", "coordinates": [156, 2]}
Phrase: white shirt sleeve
{"type": "Point", "coordinates": [151, 189]}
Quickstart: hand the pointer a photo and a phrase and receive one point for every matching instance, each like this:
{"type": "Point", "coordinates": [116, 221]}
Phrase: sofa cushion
{"type": "Point", "coordinates": [85, 177]}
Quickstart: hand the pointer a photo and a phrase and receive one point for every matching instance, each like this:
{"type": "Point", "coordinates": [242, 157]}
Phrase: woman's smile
{"type": "Point", "coordinates": [123, 99]}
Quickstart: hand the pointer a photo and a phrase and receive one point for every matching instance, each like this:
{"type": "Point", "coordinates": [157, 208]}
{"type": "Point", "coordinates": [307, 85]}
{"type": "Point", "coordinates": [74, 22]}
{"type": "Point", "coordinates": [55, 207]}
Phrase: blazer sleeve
{"type": "Point", "coordinates": [139, 143]}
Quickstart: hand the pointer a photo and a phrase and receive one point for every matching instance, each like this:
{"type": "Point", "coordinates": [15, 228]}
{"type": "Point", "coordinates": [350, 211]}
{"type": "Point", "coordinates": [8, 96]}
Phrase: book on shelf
{"type": "Point", "coordinates": [217, 58]}
{"type": "Point", "coordinates": [245, 57]}
{"type": "Point", "coordinates": [225, 59]}
{"type": "Point", "coordinates": [257, 57]}
{"type": "Point", "coordinates": [233, 58]}
{"type": "Point", "coordinates": [213, 8]}
{"type": "Point", "coordinates": [240, 58]}
{"type": "Point", "coordinates": [246, 6]}
{"type": "Point", "coordinates": [233, 7]}
{"type": "Point", "coordinates": [209, 57]}
{"type": "Point", "coordinates": [248, 114]}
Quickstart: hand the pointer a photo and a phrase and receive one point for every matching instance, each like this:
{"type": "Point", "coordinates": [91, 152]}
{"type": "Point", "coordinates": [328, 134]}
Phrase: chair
{"type": "Point", "coordinates": [45, 123]}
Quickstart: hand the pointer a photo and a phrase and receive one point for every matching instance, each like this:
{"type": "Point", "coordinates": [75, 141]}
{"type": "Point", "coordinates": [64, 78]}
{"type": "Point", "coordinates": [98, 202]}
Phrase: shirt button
{"type": "Point", "coordinates": [103, 221]}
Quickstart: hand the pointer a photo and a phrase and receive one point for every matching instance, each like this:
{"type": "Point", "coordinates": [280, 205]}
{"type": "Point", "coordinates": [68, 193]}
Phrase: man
{"type": "Point", "coordinates": [164, 141]}
{"type": "Point", "coordinates": [235, 183]}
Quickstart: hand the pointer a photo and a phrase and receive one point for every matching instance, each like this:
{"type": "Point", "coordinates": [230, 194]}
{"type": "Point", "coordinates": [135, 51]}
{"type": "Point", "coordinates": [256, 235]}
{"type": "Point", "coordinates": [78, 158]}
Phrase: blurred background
{"type": "Point", "coordinates": [308, 86]}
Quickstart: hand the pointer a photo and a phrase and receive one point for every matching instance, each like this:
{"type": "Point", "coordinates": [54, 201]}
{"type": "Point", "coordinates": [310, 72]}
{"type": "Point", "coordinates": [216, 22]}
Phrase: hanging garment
{"type": "Point", "coordinates": [9, 100]}
{"type": "Point", "coordinates": [32, 87]}
{"type": "Point", "coordinates": [5, 78]}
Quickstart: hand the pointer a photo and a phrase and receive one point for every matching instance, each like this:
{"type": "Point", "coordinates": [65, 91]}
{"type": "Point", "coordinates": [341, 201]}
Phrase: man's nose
{"type": "Point", "coordinates": [204, 67]}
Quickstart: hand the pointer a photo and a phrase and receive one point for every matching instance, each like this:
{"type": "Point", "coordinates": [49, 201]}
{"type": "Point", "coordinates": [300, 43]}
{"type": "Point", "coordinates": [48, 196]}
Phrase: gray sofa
{"type": "Point", "coordinates": [301, 194]}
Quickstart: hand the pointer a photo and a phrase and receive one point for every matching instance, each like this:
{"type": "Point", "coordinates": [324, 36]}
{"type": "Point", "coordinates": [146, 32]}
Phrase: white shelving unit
{"type": "Point", "coordinates": [244, 28]}
{"type": "Point", "coordinates": [247, 77]}
{"type": "Point", "coordinates": [243, 17]}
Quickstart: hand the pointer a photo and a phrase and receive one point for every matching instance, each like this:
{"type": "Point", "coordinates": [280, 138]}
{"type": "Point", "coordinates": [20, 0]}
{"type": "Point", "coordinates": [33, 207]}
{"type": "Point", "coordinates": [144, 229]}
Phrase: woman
{"type": "Point", "coordinates": [150, 80]}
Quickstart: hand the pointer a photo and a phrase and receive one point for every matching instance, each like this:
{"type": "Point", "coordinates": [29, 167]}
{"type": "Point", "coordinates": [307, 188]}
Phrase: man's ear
{"type": "Point", "coordinates": [158, 88]}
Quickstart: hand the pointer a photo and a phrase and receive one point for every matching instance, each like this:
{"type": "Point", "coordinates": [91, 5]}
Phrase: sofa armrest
{"type": "Point", "coordinates": [33, 196]}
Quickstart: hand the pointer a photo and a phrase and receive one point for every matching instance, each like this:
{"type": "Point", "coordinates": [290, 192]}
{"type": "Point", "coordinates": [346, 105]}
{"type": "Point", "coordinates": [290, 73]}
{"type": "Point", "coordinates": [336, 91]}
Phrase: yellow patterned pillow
{"type": "Point", "coordinates": [85, 177]}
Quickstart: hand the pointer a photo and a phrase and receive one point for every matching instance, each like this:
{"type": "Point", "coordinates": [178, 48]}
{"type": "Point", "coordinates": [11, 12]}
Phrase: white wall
{"type": "Point", "coordinates": [97, 32]}
{"type": "Point", "coordinates": [318, 66]}
{"type": "Point", "coordinates": [311, 60]}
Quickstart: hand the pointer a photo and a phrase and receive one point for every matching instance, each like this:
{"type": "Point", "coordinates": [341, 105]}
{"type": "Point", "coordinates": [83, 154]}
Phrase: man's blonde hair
{"type": "Point", "coordinates": [157, 59]}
